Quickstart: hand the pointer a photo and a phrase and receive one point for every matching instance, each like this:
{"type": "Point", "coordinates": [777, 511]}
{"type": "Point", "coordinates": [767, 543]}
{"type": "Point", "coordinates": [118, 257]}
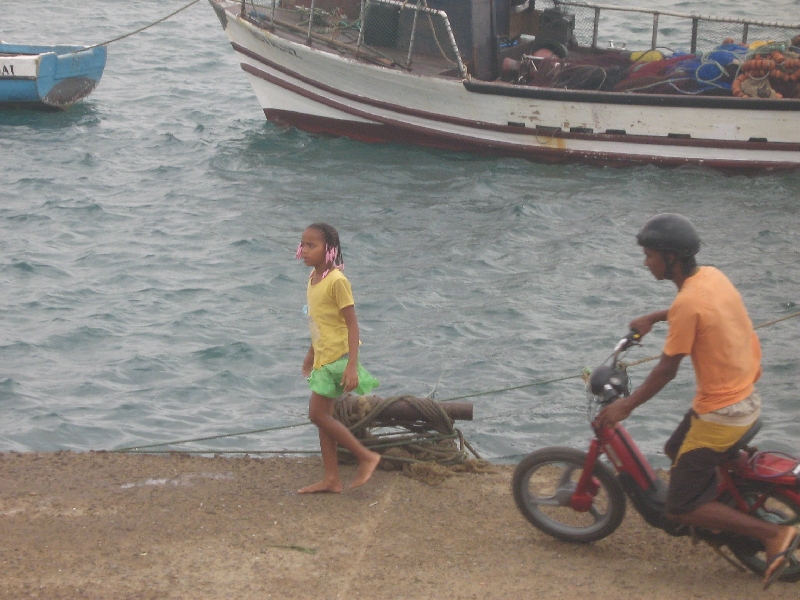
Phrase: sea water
{"type": "Point", "coordinates": [149, 291]}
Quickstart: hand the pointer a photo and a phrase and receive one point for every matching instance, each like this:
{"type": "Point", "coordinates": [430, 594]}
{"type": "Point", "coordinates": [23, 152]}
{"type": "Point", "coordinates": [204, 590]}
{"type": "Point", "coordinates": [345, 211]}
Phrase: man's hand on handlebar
{"type": "Point", "coordinates": [642, 325]}
{"type": "Point", "coordinates": [617, 411]}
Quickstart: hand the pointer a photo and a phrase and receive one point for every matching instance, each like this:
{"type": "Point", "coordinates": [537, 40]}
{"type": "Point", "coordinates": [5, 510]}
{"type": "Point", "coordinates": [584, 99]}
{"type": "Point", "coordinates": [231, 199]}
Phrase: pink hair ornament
{"type": "Point", "coordinates": [330, 255]}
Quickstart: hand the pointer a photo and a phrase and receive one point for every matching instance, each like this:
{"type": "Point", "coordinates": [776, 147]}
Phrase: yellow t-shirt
{"type": "Point", "coordinates": [709, 322]}
{"type": "Point", "coordinates": [328, 330]}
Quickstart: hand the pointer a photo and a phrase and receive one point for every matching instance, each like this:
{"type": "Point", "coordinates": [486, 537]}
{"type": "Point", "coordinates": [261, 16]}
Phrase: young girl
{"type": "Point", "coordinates": [331, 364]}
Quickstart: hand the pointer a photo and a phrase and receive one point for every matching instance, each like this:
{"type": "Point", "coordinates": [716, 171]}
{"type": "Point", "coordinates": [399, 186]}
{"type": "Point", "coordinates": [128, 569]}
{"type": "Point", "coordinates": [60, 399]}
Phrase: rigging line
{"type": "Point", "coordinates": [626, 365]}
{"type": "Point", "coordinates": [211, 437]}
{"type": "Point", "coordinates": [762, 325]}
{"type": "Point", "coordinates": [122, 37]}
{"type": "Point", "coordinates": [643, 360]}
{"type": "Point", "coordinates": [778, 320]}
{"type": "Point", "coordinates": [220, 452]}
{"type": "Point", "coordinates": [432, 393]}
{"type": "Point", "coordinates": [517, 387]}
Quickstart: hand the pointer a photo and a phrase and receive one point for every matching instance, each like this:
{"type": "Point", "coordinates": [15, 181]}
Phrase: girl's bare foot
{"type": "Point", "coordinates": [365, 469]}
{"type": "Point", "coordinates": [332, 487]}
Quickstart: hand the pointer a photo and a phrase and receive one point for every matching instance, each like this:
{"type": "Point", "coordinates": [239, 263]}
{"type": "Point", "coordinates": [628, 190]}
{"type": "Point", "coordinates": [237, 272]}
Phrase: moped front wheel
{"type": "Point", "coordinates": [543, 484]}
{"type": "Point", "coordinates": [777, 509]}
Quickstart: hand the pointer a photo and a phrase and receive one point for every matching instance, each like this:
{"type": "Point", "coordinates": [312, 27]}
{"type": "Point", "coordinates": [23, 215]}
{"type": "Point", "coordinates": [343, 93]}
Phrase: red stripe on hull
{"type": "Point", "coordinates": [374, 133]}
{"type": "Point", "coordinates": [377, 133]}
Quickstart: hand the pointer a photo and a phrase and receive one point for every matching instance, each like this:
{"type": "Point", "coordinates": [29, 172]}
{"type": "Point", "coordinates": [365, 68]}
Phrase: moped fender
{"type": "Point", "coordinates": [588, 485]}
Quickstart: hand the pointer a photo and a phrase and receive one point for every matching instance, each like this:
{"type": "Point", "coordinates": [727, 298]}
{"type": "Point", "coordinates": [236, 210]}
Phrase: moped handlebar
{"type": "Point", "coordinates": [610, 381]}
{"type": "Point", "coordinates": [629, 340]}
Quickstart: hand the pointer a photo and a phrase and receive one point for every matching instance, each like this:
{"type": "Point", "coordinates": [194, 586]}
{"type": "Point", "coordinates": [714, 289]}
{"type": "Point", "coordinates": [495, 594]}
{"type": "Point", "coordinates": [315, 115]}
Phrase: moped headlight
{"type": "Point", "coordinates": [607, 384]}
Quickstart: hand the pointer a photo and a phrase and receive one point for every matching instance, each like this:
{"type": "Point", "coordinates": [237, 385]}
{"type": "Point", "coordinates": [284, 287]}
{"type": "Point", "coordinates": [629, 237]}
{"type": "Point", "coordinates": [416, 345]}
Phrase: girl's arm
{"type": "Point", "coordinates": [350, 376]}
{"type": "Point", "coordinates": [308, 362]}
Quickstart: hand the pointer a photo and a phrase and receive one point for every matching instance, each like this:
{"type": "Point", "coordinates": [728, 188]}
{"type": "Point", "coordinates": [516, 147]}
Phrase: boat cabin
{"type": "Point", "coordinates": [551, 43]}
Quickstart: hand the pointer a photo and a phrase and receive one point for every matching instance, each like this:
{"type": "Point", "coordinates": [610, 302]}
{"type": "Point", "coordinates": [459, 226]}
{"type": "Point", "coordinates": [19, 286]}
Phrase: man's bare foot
{"type": "Point", "coordinates": [365, 469]}
{"type": "Point", "coordinates": [324, 486]}
{"type": "Point", "coordinates": [779, 552]}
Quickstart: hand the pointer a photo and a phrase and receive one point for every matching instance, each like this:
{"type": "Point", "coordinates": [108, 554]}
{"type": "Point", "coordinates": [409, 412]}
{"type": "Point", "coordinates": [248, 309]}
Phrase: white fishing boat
{"type": "Point", "coordinates": [547, 80]}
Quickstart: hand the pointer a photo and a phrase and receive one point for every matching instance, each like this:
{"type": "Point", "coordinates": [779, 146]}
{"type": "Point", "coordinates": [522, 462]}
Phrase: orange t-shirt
{"type": "Point", "coordinates": [709, 322]}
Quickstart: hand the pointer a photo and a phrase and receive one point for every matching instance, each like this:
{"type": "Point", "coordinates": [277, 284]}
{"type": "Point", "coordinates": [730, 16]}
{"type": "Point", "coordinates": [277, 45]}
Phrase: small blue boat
{"type": "Point", "coordinates": [48, 77]}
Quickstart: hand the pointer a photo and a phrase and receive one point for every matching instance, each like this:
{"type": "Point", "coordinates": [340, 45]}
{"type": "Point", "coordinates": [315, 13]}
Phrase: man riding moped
{"type": "Point", "coordinates": [709, 322]}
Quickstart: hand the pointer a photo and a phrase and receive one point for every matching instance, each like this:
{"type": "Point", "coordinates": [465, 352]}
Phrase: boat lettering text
{"type": "Point", "coordinates": [18, 67]}
{"type": "Point", "coordinates": [280, 47]}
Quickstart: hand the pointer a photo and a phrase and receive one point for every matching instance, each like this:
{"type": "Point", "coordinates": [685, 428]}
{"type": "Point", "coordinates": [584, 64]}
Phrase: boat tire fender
{"type": "Point", "coordinates": [554, 46]}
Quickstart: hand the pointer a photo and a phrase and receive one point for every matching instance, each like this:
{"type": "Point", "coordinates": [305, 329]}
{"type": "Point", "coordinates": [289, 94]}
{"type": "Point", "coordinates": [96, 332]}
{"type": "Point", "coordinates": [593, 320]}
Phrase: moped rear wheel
{"type": "Point", "coordinates": [777, 509]}
{"type": "Point", "coordinates": [543, 484]}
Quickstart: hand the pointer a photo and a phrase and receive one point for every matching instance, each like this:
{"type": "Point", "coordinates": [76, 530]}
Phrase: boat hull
{"type": "Point", "coordinates": [321, 91]}
{"type": "Point", "coordinates": [48, 77]}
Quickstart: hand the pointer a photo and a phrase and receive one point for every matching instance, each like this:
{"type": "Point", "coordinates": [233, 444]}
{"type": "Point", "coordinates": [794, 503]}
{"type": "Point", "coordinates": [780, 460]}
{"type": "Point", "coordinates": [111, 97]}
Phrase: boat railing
{"type": "Point", "coordinates": [600, 25]}
{"type": "Point", "coordinates": [411, 36]}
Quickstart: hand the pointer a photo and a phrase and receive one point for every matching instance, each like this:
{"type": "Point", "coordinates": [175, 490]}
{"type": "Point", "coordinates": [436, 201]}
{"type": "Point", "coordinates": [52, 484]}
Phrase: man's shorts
{"type": "Point", "coordinates": [327, 380]}
{"type": "Point", "coordinates": [698, 446]}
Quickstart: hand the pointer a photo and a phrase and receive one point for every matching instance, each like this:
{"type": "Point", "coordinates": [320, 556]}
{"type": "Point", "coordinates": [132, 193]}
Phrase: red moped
{"type": "Point", "coordinates": [575, 496]}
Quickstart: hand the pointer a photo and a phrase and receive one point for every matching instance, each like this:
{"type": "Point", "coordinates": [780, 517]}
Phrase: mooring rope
{"type": "Point", "coordinates": [122, 37]}
{"type": "Point", "coordinates": [768, 323]}
{"type": "Point", "coordinates": [431, 409]}
{"type": "Point", "coordinates": [211, 437]}
{"type": "Point", "coordinates": [510, 389]}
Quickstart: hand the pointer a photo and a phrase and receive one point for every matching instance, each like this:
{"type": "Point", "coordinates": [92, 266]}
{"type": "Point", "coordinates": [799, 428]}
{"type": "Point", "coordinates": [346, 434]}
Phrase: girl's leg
{"type": "Point", "coordinates": [332, 433]}
{"type": "Point", "coordinates": [318, 408]}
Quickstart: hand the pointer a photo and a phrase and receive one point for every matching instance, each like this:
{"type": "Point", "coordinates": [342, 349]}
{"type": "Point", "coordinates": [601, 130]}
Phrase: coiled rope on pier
{"type": "Point", "coordinates": [427, 447]}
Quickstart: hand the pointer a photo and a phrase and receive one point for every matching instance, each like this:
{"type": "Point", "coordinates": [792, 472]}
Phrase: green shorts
{"type": "Point", "coordinates": [327, 380]}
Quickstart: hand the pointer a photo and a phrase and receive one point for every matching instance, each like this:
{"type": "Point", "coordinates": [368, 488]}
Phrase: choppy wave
{"type": "Point", "coordinates": [149, 291]}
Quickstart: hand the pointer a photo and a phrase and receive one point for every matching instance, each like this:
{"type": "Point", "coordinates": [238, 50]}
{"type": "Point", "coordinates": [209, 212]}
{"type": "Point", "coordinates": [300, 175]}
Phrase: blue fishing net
{"type": "Point", "coordinates": [708, 72]}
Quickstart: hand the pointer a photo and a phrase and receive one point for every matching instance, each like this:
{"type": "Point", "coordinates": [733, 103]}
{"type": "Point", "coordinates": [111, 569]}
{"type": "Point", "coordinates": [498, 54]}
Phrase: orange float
{"type": "Point", "coordinates": [763, 65]}
{"type": "Point", "coordinates": [736, 86]}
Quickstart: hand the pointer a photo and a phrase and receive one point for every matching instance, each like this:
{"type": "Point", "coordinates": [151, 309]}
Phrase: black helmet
{"type": "Point", "coordinates": [670, 232]}
{"type": "Point", "coordinates": [609, 383]}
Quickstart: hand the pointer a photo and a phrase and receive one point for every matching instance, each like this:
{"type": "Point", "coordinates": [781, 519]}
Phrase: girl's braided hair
{"type": "Point", "coordinates": [333, 248]}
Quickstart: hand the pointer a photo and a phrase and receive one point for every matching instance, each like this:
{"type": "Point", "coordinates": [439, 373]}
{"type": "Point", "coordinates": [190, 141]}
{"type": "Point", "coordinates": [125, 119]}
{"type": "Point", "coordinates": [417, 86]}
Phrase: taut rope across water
{"type": "Point", "coordinates": [418, 436]}
{"type": "Point", "coordinates": [122, 37]}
